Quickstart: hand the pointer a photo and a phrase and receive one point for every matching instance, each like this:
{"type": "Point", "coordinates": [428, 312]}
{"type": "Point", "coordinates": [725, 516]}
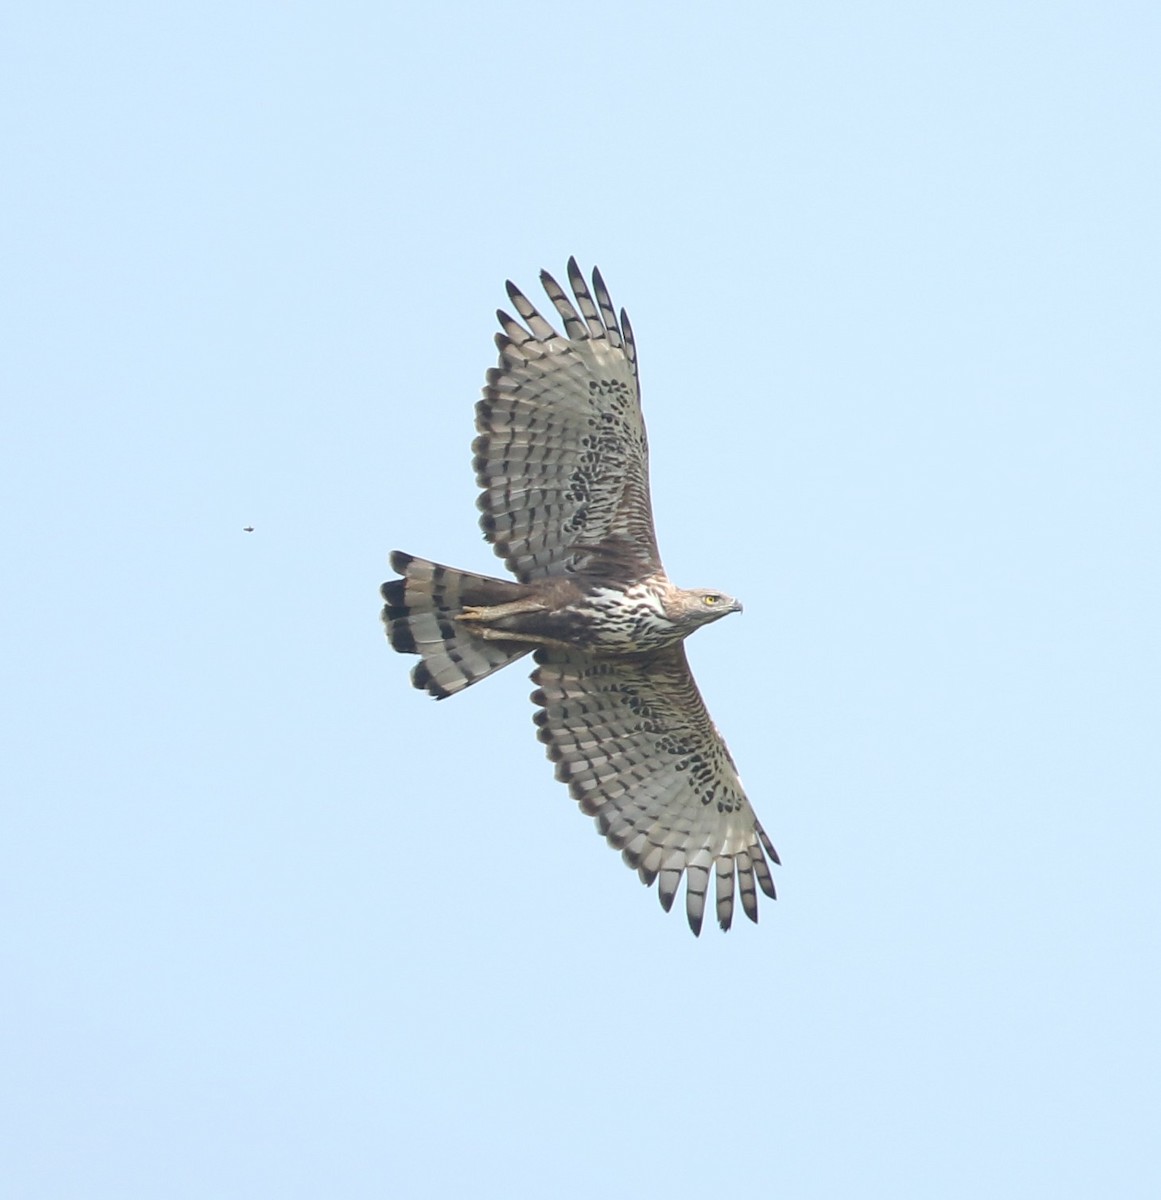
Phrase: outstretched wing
{"type": "Point", "coordinates": [633, 741]}
{"type": "Point", "coordinates": [561, 454]}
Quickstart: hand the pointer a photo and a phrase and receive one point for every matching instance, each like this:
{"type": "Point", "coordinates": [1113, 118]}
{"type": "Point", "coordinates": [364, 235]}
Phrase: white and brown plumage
{"type": "Point", "coordinates": [562, 462]}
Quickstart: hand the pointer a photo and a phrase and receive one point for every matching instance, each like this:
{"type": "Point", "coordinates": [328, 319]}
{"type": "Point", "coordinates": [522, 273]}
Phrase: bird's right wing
{"type": "Point", "coordinates": [561, 456]}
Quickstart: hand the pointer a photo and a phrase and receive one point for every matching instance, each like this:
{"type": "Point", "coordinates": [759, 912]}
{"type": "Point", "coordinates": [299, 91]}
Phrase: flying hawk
{"type": "Point", "coordinates": [562, 462]}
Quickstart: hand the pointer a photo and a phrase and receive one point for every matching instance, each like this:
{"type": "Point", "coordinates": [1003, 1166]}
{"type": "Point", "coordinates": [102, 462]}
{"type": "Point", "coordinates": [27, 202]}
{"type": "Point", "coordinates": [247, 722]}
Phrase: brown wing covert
{"type": "Point", "coordinates": [633, 741]}
{"type": "Point", "coordinates": [562, 456]}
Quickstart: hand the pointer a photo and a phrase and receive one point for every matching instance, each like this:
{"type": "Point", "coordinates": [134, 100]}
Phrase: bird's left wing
{"type": "Point", "coordinates": [633, 740]}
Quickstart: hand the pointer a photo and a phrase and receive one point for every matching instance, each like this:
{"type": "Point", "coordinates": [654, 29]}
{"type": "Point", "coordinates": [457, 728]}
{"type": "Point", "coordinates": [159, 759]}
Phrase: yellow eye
{"type": "Point", "coordinates": [710, 598]}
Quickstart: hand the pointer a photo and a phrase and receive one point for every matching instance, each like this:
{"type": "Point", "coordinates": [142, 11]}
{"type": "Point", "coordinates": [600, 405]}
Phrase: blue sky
{"type": "Point", "coordinates": [276, 925]}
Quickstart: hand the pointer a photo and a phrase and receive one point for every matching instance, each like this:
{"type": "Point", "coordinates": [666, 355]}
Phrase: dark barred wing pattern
{"type": "Point", "coordinates": [633, 740]}
{"type": "Point", "coordinates": [561, 455]}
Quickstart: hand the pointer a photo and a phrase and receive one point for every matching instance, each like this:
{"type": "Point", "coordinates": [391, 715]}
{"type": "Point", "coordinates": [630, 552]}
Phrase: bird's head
{"type": "Point", "coordinates": [700, 606]}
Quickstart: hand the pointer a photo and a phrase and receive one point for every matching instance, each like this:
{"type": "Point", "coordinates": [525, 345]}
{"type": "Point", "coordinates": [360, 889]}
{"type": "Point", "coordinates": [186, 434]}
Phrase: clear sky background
{"type": "Point", "coordinates": [276, 925]}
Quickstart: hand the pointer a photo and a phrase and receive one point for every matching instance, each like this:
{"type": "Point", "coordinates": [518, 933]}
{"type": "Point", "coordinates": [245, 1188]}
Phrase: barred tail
{"type": "Point", "coordinates": [420, 619]}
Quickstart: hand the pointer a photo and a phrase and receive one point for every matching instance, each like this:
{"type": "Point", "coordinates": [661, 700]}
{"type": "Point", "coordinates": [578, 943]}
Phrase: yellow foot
{"type": "Point", "coordinates": [497, 612]}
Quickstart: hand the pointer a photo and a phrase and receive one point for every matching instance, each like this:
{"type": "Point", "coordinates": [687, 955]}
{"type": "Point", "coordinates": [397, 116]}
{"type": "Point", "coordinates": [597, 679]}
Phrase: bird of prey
{"type": "Point", "coordinates": [562, 462]}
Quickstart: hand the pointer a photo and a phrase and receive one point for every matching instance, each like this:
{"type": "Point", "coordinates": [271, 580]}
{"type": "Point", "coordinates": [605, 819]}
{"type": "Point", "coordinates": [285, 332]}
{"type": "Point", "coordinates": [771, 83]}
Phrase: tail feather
{"type": "Point", "coordinates": [420, 619]}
